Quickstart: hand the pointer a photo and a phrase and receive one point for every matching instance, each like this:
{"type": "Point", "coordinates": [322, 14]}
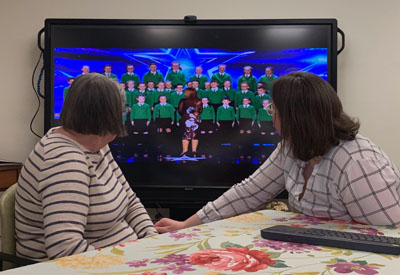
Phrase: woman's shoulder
{"type": "Point", "coordinates": [54, 144]}
{"type": "Point", "coordinates": [359, 148]}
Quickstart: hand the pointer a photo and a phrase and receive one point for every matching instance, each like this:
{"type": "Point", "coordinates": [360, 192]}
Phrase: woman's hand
{"type": "Point", "coordinates": [167, 225]}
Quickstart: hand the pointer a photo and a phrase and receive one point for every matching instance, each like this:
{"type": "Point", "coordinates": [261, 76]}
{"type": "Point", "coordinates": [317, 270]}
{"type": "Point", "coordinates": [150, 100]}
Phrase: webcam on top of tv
{"type": "Point", "coordinates": [190, 19]}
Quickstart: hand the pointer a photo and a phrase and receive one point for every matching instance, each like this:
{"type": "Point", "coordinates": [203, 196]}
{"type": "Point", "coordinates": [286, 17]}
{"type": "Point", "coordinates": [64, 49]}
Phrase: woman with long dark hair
{"type": "Point", "coordinates": [329, 170]}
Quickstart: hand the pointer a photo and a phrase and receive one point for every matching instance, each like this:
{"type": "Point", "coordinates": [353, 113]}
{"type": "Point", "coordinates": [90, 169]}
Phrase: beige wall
{"type": "Point", "coordinates": [368, 69]}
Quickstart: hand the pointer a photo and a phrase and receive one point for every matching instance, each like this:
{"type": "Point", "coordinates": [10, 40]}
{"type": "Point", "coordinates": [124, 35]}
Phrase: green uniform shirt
{"type": "Point", "coordinates": [174, 98]}
{"type": "Point", "coordinates": [215, 97]}
{"type": "Point", "coordinates": [134, 77]}
{"type": "Point", "coordinates": [111, 75]}
{"type": "Point", "coordinates": [202, 79]}
{"type": "Point", "coordinates": [149, 97]}
{"type": "Point", "coordinates": [258, 100]}
{"type": "Point", "coordinates": [203, 93]}
{"type": "Point", "coordinates": [231, 93]}
{"type": "Point", "coordinates": [66, 92]}
{"type": "Point", "coordinates": [176, 78]}
{"type": "Point", "coordinates": [240, 95]}
{"type": "Point", "coordinates": [166, 111]}
{"type": "Point", "coordinates": [156, 77]}
{"type": "Point", "coordinates": [155, 95]}
{"type": "Point", "coordinates": [263, 116]}
{"type": "Point", "coordinates": [130, 97]}
{"type": "Point", "coordinates": [268, 81]}
{"type": "Point", "coordinates": [243, 112]}
{"type": "Point", "coordinates": [208, 113]}
{"type": "Point", "coordinates": [141, 112]}
{"type": "Point", "coordinates": [221, 79]}
{"type": "Point", "coordinates": [225, 114]}
{"type": "Point", "coordinates": [251, 80]}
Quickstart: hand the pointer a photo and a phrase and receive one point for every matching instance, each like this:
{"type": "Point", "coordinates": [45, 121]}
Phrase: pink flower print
{"type": "Point", "coordinates": [348, 267]}
{"type": "Point", "coordinates": [137, 263]}
{"type": "Point", "coordinates": [187, 236]}
{"type": "Point", "coordinates": [285, 246]}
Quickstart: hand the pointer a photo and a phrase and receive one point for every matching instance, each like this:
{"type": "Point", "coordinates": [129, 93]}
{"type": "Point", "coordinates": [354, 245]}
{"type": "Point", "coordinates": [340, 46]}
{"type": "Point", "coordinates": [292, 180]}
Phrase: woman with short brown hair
{"type": "Point", "coordinates": [71, 195]}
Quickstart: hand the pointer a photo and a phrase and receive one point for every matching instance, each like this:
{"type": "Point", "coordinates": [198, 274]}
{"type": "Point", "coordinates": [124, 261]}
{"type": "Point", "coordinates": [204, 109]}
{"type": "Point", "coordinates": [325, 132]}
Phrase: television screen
{"type": "Point", "coordinates": [231, 64]}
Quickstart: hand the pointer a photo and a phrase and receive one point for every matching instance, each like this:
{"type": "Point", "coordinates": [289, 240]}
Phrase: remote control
{"type": "Point", "coordinates": [325, 237]}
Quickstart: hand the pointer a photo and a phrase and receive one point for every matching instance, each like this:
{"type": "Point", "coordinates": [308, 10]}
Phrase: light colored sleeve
{"type": "Point", "coordinates": [136, 215]}
{"type": "Point", "coordinates": [64, 190]}
{"type": "Point", "coordinates": [370, 192]}
{"type": "Point", "coordinates": [251, 194]}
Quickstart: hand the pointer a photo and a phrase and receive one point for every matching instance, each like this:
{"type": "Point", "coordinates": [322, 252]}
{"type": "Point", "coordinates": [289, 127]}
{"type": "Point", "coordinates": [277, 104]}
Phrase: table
{"type": "Point", "coordinates": [231, 246]}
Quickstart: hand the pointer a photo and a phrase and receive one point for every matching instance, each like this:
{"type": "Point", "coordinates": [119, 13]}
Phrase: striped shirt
{"type": "Point", "coordinates": [354, 181]}
{"type": "Point", "coordinates": [69, 201]}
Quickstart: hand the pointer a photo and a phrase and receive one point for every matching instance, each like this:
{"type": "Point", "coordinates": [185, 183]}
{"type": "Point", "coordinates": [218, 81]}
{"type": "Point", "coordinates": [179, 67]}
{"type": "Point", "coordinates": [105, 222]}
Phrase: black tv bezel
{"type": "Point", "coordinates": [184, 194]}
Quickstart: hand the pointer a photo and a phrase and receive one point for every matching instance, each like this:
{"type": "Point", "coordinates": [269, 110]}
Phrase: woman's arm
{"type": "Point", "coordinates": [250, 195]}
{"type": "Point", "coordinates": [167, 225]}
{"type": "Point", "coordinates": [64, 189]}
{"type": "Point", "coordinates": [369, 191]}
{"type": "Point", "coordinates": [136, 215]}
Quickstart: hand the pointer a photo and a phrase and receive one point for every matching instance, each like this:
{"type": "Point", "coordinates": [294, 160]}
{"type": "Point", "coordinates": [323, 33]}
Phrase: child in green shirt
{"type": "Point", "coordinates": [264, 119]}
{"type": "Point", "coordinates": [199, 77]}
{"type": "Point", "coordinates": [159, 91]}
{"type": "Point", "coordinates": [215, 95]}
{"type": "Point", "coordinates": [174, 99]}
{"type": "Point", "coordinates": [207, 117]}
{"type": "Point", "coordinates": [108, 73]}
{"type": "Point", "coordinates": [249, 78]}
{"type": "Point", "coordinates": [195, 85]}
{"type": "Point", "coordinates": [70, 80]}
{"type": "Point", "coordinates": [268, 78]}
{"type": "Point", "coordinates": [229, 91]}
{"type": "Point", "coordinates": [225, 117]}
{"type": "Point", "coordinates": [245, 116]}
{"type": "Point", "coordinates": [141, 90]}
{"type": "Point", "coordinates": [163, 115]}
{"type": "Point", "coordinates": [176, 76]}
{"type": "Point", "coordinates": [150, 90]}
{"type": "Point", "coordinates": [168, 86]}
{"type": "Point", "coordinates": [140, 116]}
{"type": "Point", "coordinates": [130, 93]}
{"type": "Point", "coordinates": [221, 76]}
{"type": "Point", "coordinates": [130, 75]}
{"type": "Point", "coordinates": [244, 92]}
{"type": "Point", "coordinates": [152, 75]}
{"type": "Point", "coordinates": [261, 95]}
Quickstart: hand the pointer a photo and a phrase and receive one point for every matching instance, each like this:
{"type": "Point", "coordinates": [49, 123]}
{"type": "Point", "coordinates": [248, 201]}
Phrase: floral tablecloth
{"type": "Point", "coordinates": [231, 246]}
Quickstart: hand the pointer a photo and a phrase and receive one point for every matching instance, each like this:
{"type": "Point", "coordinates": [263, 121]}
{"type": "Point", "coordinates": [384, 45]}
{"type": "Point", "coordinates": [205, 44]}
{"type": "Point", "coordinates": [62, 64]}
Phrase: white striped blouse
{"type": "Point", "coordinates": [70, 201]}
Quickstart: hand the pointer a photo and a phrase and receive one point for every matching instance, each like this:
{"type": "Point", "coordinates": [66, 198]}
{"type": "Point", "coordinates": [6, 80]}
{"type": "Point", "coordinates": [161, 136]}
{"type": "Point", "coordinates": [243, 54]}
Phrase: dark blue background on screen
{"type": "Point", "coordinates": [69, 61]}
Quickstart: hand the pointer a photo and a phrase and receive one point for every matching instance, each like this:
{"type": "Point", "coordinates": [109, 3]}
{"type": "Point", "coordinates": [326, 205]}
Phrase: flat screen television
{"type": "Point", "coordinates": [150, 159]}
